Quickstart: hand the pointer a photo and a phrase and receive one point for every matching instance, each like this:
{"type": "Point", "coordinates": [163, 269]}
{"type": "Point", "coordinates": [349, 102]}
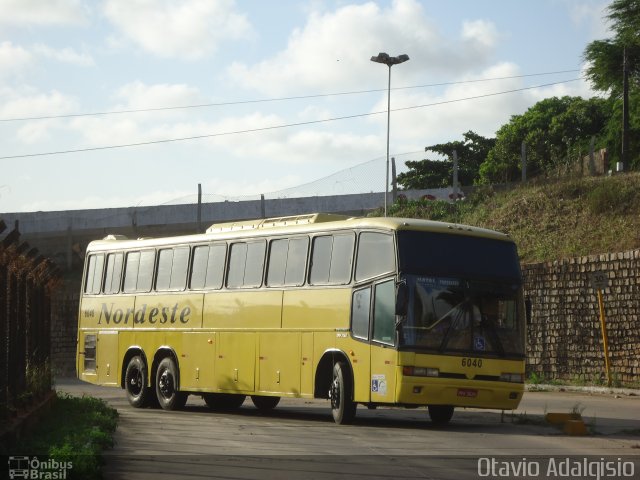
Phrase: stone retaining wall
{"type": "Point", "coordinates": [564, 339]}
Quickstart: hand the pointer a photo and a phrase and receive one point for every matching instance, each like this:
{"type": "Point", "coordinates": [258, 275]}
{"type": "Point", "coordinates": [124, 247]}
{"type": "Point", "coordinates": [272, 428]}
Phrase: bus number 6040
{"type": "Point", "coordinates": [472, 362]}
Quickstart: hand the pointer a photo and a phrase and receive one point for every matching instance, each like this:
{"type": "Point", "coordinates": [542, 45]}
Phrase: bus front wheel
{"type": "Point", "coordinates": [440, 414]}
{"type": "Point", "coordinates": [343, 408]}
{"type": "Point", "coordinates": [135, 383]}
{"type": "Point", "coordinates": [167, 386]}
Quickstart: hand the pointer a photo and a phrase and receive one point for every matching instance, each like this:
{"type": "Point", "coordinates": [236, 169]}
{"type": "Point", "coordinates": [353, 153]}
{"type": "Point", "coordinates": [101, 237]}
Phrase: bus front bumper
{"type": "Point", "coordinates": [459, 393]}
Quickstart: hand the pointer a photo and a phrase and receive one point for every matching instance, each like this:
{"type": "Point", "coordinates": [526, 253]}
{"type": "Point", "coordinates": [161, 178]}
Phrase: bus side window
{"type": "Point", "coordinates": [341, 259]}
{"type": "Point", "coordinates": [296, 261]}
{"type": "Point", "coordinates": [131, 272]}
{"type": "Point", "coordinates": [172, 268]}
{"type": "Point", "coordinates": [360, 308]}
{"type": "Point", "coordinates": [278, 250]}
{"type": "Point", "coordinates": [287, 262]}
{"type": "Point", "coordinates": [376, 255]}
{"type": "Point", "coordinates": [145, 272]}
{"type": "Point", "coordinates": [384, 319]}
{"type": "Point", "coordinates": [138, 274]}
{"type": "Point", "coordinates": [199, 267]}
{"type": "Point", "coordinates": [246, 264]}
{"type": "Point", "coordinates": [321, 260]}
{"type": "Point", "coordinates": [215, 266]}
{"type": "Point", "coordinates": [163, 277]}
{"type": "Point", "coordinates": [95, 270]}
{"type": "Point", "coordinates": [179, 268]}
{"type": "Point", "coordinates": [332, 258]}
{"type": "Point", "coordinates": [114, 273]}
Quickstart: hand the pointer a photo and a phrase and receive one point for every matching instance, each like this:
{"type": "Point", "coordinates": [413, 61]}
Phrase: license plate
{"type": "Point", "coordinates": [467, 393]}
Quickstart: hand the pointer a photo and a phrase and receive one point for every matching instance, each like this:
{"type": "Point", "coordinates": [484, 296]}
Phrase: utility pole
{"type": "Point", "coordinates": [394, 181]}
{"type": "Point", "coordinates": [523, 158]}
{"type": "Point", "coordinates": [199, 208]}
{"type": "Point", "coordinates": [625, 109]}
{"type": "Point", "coordinates": [455, 175]}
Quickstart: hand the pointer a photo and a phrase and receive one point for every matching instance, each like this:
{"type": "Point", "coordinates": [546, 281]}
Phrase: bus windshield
{"type": "Point", "coordinates": [453, 315]}
{"type": "Point", "coordinates": [464, 294]}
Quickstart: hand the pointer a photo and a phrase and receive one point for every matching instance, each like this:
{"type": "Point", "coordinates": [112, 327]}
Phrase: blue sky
{"type": "Point", "coordinates": [66, 57]}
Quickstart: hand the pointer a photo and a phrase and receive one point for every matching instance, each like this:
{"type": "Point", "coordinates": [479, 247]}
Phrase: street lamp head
{"type": "Point", "coordinates": [383, 57]}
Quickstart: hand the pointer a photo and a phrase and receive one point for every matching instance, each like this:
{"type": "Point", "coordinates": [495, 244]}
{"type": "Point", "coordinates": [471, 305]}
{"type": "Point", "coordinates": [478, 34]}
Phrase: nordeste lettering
{"type": "Point", "coordinates": [143, 314]}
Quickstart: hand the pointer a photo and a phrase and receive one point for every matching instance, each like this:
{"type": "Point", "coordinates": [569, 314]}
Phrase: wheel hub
{"type": "Point", "coordinates": [135, 382]}
{"type": "Point", "coordinates": [334, 393]}
{"type": "Point", "coordinates": [165, 384]}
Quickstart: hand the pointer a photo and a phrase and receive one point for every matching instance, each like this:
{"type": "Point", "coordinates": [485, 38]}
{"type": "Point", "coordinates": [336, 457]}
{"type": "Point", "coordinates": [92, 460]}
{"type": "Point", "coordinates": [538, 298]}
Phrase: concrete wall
{"type": "Point", "coordinates": [564, 338]}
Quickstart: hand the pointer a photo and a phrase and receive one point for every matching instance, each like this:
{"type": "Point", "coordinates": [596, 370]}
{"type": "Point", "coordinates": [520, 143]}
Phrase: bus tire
{"type": "Point", "coordinates": [440, 414]}
{"type": "Point", "coordinates": [265, 404]}
{"type": "Point", "coordinates": [223, 401]}
{"type": "Point", "coordinates": [343, 408]}
{"type": "Point", "coordinates": [167, 392]}
{"type": "Point", "coordinates": [135, 383]}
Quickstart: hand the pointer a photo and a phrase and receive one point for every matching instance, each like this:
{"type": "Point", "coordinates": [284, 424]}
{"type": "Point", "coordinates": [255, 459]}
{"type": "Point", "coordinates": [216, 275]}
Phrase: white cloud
{"type": "Point", "coordinates": [481, 33]}
{"type": "Point", "coordinates": [174, 28]}
{"type": "Point", "coordinates": [64, 55]}
{"type": "Point", "coordinates": [138, 95]}
{"type": "Point", "coordinates": [27, 102]}
{"type": "Point", "coordinates": [41, 13]}
{"type": "Point", "coordinates": [591, 14]}
{"type": "Point", "coordinates": [333, 49]}
{"type": "Point", "coordinates": [13, 59]}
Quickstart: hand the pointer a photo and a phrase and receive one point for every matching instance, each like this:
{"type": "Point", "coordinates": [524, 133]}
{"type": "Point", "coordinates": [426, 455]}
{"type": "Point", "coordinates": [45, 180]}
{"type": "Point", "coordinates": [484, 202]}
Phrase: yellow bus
{"type": "Point", "coordinates": [369, 311]}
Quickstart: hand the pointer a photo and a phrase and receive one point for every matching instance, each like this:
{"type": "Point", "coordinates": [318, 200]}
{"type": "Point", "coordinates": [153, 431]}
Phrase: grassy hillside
{"type": "Point", "coordinates": [552, 219]}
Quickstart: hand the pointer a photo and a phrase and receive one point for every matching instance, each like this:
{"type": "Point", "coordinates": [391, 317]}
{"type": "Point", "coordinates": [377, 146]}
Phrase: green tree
{"type": "Point", "coordinates": [555, 130]}
{"type": "Point", "coordinates": [604, 57]}
{"type": "Point", "coordinates": [426, 174]}
{"type": "Point", "coordinates": [471, 151]}
{"type": "Point", "coordinates": [604, 70]}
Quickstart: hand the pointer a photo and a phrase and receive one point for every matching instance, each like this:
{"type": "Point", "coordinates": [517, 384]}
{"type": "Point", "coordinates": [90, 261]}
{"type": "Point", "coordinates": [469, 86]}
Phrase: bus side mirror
{"type": "Point", "coordinates": [402, 298]}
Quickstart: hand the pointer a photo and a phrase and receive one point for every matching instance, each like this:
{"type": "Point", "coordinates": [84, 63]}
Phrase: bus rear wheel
{"type": "Point", "coordinates": [343, 408]}
{"type": "Point", "coordinates": [167, 392]}
{"type": "Point", "coordinates": [265, 403]}
{"type": "Point", "coordinates": [223, 401]}
{"type": "Point", "coordinates": [135, 383]}
{"type": "Point", "coordinates": [440, 414]}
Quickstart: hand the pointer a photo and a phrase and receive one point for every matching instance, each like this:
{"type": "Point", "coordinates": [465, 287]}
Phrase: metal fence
{"type": "Point", "coordinates": [27, 280]}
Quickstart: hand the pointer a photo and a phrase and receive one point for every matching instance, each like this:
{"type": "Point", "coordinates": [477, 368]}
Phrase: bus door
{"type": "Point", "coordinates": [373, 322]}
{"type": "Point", "coordinates": [383, 352]}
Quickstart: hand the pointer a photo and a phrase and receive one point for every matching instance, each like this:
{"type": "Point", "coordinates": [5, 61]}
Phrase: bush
{"type": "Point", "coordinates": [76, 430]}
{"type": "Point", "coordinates": [611, 196]}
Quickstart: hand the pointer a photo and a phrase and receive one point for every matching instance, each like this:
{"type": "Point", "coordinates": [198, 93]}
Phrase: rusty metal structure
{"type": "Point", "coordinates": [27, 280]}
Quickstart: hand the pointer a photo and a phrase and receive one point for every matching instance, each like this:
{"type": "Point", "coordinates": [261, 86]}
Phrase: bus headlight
{"type": "Point", "coordinates": [512, 377]}
{"type": "Point", "coordinates": [420, 371]}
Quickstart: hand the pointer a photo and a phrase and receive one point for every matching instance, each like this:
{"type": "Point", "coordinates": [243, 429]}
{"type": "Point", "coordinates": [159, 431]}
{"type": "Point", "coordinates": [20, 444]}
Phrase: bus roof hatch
{"type": "Point", "coordinates": [276, 222]}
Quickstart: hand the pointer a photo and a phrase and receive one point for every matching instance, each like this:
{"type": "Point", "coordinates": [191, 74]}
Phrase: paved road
{"type": "Point", "coordinates": [299, 439]}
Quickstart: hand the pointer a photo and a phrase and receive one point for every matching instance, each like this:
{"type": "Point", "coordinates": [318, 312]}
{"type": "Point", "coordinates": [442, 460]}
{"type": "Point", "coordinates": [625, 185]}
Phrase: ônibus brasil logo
{"type": "Point", "coordinates": [34, 468]}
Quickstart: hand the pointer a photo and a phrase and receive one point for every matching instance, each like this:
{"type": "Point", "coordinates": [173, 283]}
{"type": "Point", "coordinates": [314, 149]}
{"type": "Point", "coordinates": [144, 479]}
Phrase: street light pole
{"type": "Point", "coordinates": [389, 62]}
